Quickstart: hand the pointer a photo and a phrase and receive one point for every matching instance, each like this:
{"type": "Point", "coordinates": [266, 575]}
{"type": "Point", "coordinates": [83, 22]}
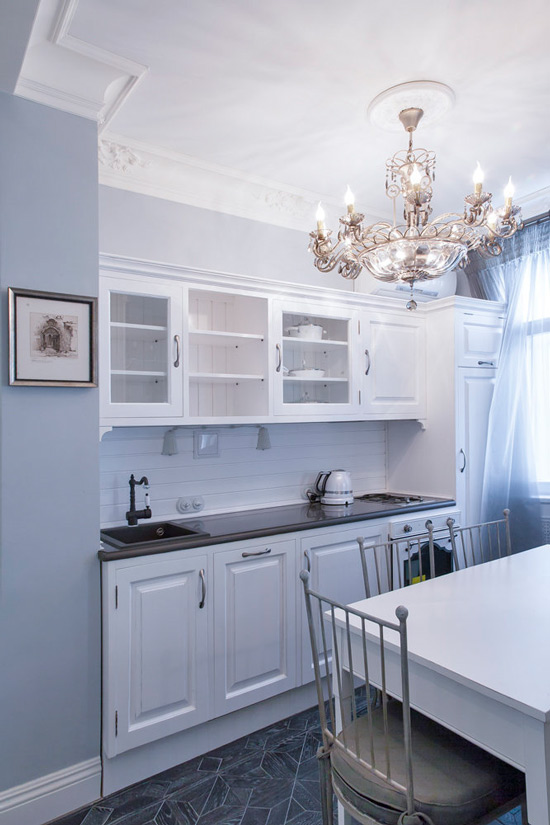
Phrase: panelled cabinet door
{"type": "Point", "coordinates": [158, 652]}
{"type": "Point", "coordinates": [334, 564]}
{"type": "Point", "coordinates": [394, 373]}
{"type": "Point", "coordinates": [141, 356]}
{"type": "Point", "coordinates": [314, 350]}
{"type": "Point", "coordinates": [254, 623]}
{"type": "Point", "coordinates": [475, 389]}
{"type": "Point", "coordinates": [479, 338]}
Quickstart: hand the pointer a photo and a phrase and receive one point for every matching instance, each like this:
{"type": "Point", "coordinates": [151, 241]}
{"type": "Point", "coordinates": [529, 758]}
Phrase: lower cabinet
{"type": "Point", "coordinates": [192, 635]}
{"type": "Point", "coordinates": [333, 561]}
{"type": "Point", "coordinates": [254, 623]}
{"type": "Point", "coordinates": [156, 653]}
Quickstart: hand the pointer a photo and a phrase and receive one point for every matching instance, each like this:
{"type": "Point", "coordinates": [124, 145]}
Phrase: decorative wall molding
{"type": "Point", "coordinates": [53, 795]}
{"type": "Point", "coordinates": [162, 173]}
{"type": "Point", "coordinates": [67, 73]}
{"type": "Point", "coordinates": [118, 157]}
{"type": "Point", "coordinates": [537, 203]}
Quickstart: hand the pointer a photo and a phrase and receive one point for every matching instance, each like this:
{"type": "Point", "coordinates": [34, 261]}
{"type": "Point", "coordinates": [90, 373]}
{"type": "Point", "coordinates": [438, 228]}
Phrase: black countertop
{"type": "Point", "coordinates": [269, 521]}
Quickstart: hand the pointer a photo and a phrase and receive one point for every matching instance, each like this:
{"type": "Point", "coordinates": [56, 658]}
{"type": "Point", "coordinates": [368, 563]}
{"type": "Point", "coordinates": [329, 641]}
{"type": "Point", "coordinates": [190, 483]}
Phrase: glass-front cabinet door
{"type": "Point", "coordinates": [314, 351]}
{"type": "Point", "coordinates": [142, 363]}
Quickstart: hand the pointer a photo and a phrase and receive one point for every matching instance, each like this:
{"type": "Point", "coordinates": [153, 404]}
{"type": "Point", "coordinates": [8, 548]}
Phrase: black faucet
{"type": "Point", "coordinates": [132, 515]}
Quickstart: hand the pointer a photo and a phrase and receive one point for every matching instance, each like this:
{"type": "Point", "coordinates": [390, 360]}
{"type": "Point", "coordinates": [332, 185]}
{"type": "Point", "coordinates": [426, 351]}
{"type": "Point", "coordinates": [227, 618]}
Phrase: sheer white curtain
{"type": "Point", "coordinates": [517, 463]}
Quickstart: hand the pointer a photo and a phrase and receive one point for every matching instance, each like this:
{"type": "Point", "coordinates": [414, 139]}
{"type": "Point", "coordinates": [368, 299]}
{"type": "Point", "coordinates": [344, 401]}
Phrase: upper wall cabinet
{"type": "Point", "coordinates": [394, 368]}
{"type": "Point", "coordinates": [227, 355]}
{"type": "Point", "coordinates": [215, 351]}
{"type": "Point", "coordinates": [141, 338]}
{"type": "Point", "coordinates": [315, 349]}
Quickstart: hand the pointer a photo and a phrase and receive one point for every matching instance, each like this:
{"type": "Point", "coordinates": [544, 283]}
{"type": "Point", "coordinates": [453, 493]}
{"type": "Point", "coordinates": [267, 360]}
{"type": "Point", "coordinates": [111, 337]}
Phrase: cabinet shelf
{"type": "Point", "coordinates": [315, 343]}
{"type": "Point", "coordinates": [148, 327]}
{"type": "Point", "coordinates": [140, 373]}
{"type": "Point", "coordinates": [207, 336]}
{"type": "Point", "coordinates": [324, 380]}
{"type": "Point", "coordinates": [222, 378]}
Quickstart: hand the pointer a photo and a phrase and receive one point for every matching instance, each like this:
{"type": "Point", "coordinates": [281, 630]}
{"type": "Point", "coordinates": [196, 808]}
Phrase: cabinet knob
{"type": "Point", "coordinates": [407, 528]}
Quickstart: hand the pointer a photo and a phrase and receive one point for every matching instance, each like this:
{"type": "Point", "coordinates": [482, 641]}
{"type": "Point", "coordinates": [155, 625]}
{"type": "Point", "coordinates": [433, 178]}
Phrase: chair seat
{"type": "Point", "coordinates": [455, 782]}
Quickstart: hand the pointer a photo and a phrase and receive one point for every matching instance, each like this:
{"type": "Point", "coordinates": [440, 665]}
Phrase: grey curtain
{"type": "Point", "coordinates": [517, 462]}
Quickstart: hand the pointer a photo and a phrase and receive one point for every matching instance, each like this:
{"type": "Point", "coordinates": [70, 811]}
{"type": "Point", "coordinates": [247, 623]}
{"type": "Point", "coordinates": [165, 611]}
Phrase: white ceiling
{"type": "Point", "coordinates": [272, 96]}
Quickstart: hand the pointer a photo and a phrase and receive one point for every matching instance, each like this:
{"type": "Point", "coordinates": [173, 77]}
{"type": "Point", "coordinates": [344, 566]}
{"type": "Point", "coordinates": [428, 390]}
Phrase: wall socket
{"type": "Point", "coordinates": [190, 505]}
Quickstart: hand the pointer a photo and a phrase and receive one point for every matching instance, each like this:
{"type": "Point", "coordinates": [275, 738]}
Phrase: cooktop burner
{"type": "Point", "coordinates": [391, 498]}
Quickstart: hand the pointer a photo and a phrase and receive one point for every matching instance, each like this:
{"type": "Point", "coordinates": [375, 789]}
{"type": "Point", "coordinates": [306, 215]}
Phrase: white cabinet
{"type": "Point", "coordinates": [141, 358]}
{"type": "Point", "coordinates": [474, 393]}
{"type": "Point", "coordinates": [227, 356]}
{"type": "Point", "coordinates": [254, 622]}
{"type": "Point", "coordinates": [185, 352]}
{"type": "Point", "coordinates": [478, 339]}
{"type": "Point", "coordinates": [447, 456]}
{"type": "Point", "coordinates": [156, 664]}
{"type": "Point", "coordinates": [332, 558]}
{"type": "Point", "coordinates": [394, 368]}
{"type": "Point", "coordinates": [314, 349]}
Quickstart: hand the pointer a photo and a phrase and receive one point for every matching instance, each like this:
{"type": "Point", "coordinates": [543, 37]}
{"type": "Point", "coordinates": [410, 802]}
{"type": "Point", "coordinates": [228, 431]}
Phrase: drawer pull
{"type": "Point", "coordinates": [367, 353]}
{"type": "Point", "coordinates": [486, 363]}
{"type": "Point", "coordinates": [308, 561]}
{"type": "Point", "coordinates": [259, 553]}
{"type": "Point", "coordinates": [279, 358]}
{"type": "Point", "coordinates": [178, 346]}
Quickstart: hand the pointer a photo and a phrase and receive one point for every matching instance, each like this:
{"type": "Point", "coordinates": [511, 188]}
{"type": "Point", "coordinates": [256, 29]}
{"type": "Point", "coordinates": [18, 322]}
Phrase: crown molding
{"type": "Point", "coordinates": [148, 170]}
{"type": "Point", "coordinates": [67, 73]}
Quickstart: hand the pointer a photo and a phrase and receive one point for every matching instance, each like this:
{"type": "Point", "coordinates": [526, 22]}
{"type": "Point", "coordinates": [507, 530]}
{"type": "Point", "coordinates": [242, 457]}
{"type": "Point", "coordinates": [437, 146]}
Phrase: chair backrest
{"type": "Point", "coordinates": [479, 543]}
{"type": "Point", "coordinates": [397, 563]}
{"type": "Point", "coordinates": [359, 646]}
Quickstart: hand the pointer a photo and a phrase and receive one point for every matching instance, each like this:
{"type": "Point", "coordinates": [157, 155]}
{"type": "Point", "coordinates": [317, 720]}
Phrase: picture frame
{"type": "Point", "coordinates": [52, 339]}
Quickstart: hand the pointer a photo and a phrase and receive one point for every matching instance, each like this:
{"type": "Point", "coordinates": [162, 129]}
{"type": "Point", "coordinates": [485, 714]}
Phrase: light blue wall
{"type": "Point", "coordinates": [49, 574]}
{"type": "Point", "coordinates": [152, 229]}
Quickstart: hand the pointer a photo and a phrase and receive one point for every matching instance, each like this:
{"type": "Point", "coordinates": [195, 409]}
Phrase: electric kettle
{"type": "Point", "coordinates": [334, 487]}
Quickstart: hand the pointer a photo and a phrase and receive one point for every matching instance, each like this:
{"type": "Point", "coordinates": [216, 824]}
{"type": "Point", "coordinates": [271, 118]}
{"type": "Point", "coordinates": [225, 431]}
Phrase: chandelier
{"type": "Point", "coordinates": [419, 249]}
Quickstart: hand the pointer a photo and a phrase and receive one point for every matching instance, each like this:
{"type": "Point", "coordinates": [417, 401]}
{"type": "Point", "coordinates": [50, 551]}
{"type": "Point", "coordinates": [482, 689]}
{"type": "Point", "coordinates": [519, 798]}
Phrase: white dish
{"type": "Point", "coordinates": [307, 373]}
{"type": "Point", "coordinates": [311, 331]}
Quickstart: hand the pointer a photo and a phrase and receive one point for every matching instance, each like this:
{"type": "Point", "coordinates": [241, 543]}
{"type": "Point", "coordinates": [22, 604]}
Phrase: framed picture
{"type": "Point", "coordinates": [53, 339]}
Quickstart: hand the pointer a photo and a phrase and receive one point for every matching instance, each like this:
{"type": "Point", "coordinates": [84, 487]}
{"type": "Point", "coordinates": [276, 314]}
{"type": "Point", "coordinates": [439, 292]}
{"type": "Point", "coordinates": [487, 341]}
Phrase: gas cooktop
{"type": "Point", "coordinates": [398, 499]}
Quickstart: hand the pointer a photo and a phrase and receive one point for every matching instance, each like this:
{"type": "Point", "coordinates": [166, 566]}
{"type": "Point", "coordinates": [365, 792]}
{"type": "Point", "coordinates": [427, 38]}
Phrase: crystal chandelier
{"type": "Point", "coordinates": [419, 249]}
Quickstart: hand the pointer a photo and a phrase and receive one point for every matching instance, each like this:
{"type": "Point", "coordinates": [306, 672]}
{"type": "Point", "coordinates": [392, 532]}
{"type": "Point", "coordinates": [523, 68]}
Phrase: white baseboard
{"type": "Point", "coordinates": [51, 796]}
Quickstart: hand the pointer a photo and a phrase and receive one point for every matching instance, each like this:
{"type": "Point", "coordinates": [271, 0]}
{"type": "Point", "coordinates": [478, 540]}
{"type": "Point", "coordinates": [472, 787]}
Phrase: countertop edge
{"type": "Point", "coordinates": [151, 549]}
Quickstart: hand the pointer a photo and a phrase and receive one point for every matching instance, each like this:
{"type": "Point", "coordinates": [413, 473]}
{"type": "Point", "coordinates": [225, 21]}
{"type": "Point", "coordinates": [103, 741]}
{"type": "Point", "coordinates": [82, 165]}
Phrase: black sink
{"type": "Point", "coordinates": [153, 533]}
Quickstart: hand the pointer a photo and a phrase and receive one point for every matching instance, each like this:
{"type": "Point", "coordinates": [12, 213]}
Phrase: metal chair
{"type": "Point", "coordinates": [479, 543]}
{"type": "Point", "coordinates": [400, 562]}
{"type": "Point", "coordinates": [369, 758]}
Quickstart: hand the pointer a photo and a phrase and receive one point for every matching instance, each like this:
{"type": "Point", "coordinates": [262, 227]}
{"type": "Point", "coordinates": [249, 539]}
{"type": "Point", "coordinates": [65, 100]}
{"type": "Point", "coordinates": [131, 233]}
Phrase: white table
{"type": "Point", "coordinates": [479, 660]}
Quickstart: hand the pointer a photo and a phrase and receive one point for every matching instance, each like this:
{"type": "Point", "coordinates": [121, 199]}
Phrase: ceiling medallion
{"type": "Point", "coordinates": [418, 249]}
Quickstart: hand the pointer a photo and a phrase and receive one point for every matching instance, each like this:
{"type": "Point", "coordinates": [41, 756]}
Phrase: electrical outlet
{"type": "Point", "coordinates": [183, 505]}
{"type": "Point", "coordinates": [198, 503]}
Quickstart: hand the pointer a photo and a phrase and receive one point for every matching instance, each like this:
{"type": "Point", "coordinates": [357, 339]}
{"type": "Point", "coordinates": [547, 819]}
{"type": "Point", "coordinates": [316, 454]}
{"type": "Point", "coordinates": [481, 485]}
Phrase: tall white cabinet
{"type": "Point", "coordinates": [446, 455]}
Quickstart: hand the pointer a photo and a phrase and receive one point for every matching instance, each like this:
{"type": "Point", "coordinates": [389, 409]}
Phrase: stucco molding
{"type": "Point", "coordinates": [67, 73]}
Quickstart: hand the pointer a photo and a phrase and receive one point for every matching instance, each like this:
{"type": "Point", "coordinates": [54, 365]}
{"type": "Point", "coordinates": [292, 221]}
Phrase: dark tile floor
{"type": "Point", "coordinates": [267, 778]}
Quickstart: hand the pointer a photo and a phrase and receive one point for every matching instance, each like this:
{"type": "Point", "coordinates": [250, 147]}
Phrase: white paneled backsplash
{"type": "Point", "coordinates": [241, 476]}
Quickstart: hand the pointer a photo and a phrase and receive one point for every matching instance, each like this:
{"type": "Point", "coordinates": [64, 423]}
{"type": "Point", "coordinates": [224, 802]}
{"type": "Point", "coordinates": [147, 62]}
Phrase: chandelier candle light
{"type": "Point", "coordinates": [418, 249]}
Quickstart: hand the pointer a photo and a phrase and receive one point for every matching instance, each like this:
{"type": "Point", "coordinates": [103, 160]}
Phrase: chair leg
{"type": "Point", "coordinates": [325, 781]}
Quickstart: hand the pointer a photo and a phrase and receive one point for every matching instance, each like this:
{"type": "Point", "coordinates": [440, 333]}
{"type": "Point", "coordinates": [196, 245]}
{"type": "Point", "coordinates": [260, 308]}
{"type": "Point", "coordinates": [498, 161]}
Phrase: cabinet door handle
{"type": "Point", "coordinates": [367, 353]}
{"type": "Point", "coordinates": [203, 583]}
{"type": "Point", "coordinates": [178, 347]}
{"type": "Point", "coordinates": [259, 553]}
{"type": "Point", "coordinates": [486, 363]}
{"type": "Point", "coordinates": [308, 561]}
{"type": "Point", "coordinates": [279, 358]}
{"type": "Point", "coordinates": [464, 463]}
